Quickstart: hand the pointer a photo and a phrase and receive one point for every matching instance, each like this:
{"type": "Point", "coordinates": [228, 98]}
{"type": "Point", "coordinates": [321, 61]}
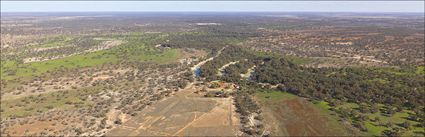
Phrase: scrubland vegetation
{"type": "Point", "coordinates": [87, 75]}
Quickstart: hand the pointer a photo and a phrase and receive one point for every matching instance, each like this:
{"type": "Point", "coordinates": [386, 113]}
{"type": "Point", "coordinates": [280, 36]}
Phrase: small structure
{"type": "Point", "coordinates": [236, 86]}
{"type": "Point", "coordinates": [220, 94]}
{"type": "Point", "coordinates": [164, 46]}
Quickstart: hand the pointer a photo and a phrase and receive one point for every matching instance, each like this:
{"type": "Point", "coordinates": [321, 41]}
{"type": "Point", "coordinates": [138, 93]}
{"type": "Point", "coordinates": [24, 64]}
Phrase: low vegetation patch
{"type": "Point", "coordinates": [34, 104]}
{"type": "Point", "coordinates": [380, 120]}
{"type": "Point", "coordinates": [136, 49]}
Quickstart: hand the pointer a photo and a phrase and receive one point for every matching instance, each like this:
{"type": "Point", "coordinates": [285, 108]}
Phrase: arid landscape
{"type": "Point", "coordinates": [173, 117]}
{"type": "Point", "coordinates": [212, 74]}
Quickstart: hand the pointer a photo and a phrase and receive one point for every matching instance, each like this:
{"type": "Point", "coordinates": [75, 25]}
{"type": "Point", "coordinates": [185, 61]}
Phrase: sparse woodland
{"type": "Point", "coordinates": [83, 76]}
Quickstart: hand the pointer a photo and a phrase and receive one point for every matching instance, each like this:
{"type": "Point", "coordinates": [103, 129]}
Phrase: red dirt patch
{"type": "Point", "coordinates": [36, 127]}
{"type": "Point", "coordinates": [311, 123]}
{"type": "Point", "coordinates": [299, 117]}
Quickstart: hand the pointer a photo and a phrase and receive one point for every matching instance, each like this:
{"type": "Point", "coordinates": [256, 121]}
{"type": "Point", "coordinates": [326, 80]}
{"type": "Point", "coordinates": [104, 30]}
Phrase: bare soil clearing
{"type": "Point", "coordinates": [185, 114]}
{"type": "Point", "coordinates": [295, 116]}
{"type": "Point", "coordinates": [38, 126]}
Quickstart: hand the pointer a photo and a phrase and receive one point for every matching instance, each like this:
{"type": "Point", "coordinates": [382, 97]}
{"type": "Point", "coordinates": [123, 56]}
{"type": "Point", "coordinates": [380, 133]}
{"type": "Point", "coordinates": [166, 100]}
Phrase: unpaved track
{"type": "Point", "coordinates": [209, 59]}
{"type": "Point", "coordinates": [221, 69]}
{"type": "Point", "coordinates": [249, 72]}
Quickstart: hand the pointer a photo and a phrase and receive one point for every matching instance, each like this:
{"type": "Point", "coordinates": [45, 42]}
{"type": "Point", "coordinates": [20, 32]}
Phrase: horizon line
{"type": "Point", "coordinates": [213, 11]}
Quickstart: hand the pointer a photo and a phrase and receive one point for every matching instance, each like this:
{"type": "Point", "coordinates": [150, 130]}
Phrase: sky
{"type": "Point", "coordinates": [213, 6]}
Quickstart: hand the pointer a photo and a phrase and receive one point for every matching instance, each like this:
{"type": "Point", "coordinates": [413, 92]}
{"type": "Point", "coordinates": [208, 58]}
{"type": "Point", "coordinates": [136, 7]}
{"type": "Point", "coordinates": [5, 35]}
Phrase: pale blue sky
{"type": "Point", "coordinates": [235, 6]}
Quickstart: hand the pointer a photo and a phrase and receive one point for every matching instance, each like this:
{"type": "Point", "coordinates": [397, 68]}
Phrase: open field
{"type": "Point", "coordinates": [184, 114]}
{"type": "Point", "coordinates": [289, 115]}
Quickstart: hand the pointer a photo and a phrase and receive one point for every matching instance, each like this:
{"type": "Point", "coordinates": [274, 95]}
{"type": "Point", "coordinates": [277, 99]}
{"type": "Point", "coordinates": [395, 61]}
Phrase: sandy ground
{"type": "Point", "coordinates": [184, 114]}
{"type": "Point", "coordinates": [221, 69]}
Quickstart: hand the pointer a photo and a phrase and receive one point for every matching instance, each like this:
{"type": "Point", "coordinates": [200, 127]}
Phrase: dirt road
{"type": "Point", "coordinates": [221, 69]}
{"type": "Point", "coordinates": [249, 72]}
{"type": "Point", "coordinates": [205, 61]}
